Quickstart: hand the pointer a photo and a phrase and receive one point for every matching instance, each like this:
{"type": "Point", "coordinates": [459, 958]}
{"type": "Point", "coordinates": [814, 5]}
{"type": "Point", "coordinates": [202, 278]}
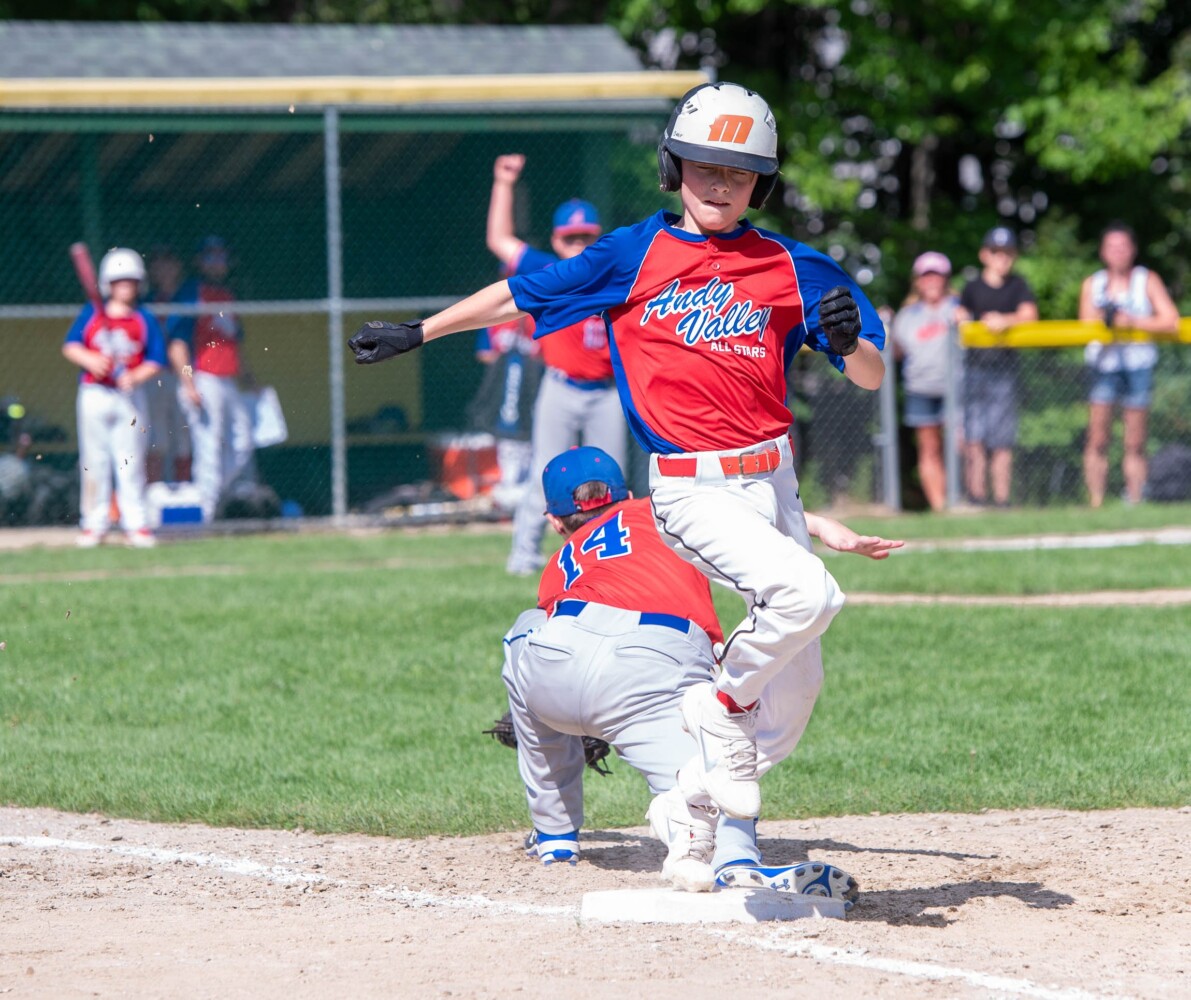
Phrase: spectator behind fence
{"type": "Point", "coordinates": [119, 348]}
{"type": "Point", "coordinates": [578, 397]}
{"type": "Point", "coordinates": [999, 299]}
{"type": "Point", "coordinates": [922, 335]}
{"type": "Point", "coordinates": [169, 438]}
{"type": "Point", "coordinates": [205, 352]}
{"type": "Point", "coordinates": [1124, 297]}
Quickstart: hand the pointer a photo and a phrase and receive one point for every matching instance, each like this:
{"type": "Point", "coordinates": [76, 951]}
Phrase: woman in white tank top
{"type": "Point", "coordinates": [1123, 297]}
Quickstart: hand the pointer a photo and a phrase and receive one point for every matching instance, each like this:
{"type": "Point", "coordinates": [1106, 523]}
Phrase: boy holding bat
{"type": "Point", "coordinates": [119, 346]}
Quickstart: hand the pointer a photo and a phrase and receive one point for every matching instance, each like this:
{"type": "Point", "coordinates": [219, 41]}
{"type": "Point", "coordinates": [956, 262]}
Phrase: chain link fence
{"type": "Point", "coordinates": [1051, 393]}
{"type": "Point", "coordinates": [333, 219]}
{"type": "Point", "coordinates": [328, 219]}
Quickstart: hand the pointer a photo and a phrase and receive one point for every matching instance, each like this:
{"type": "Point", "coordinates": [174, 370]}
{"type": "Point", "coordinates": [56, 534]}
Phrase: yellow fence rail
{"type": "Point", "coordinates": [1063, 333]}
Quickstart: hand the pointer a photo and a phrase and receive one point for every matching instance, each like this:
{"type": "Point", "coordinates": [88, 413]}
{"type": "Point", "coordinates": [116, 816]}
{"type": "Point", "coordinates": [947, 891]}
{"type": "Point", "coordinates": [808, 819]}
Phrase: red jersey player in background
{"type": "Point", "coordinates": [577, 400]}
{"type": "Point", "coordinates": [205, 352]}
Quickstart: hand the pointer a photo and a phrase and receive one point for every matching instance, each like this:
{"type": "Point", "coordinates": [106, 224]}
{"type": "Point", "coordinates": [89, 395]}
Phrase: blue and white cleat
{"type": "Point", "coordinates": [811, 878]}
{"type": "Point", "coordinates": [552, 848]}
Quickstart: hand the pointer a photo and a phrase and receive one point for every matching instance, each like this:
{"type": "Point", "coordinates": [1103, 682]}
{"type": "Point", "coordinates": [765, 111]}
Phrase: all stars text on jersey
{"type": "Point", "coordinates": [708, 313]}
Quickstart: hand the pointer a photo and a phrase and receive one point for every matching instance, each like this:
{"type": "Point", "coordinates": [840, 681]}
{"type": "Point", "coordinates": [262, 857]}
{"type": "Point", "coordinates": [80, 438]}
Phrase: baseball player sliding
{"type": "Point", "coordinates": [622, 631]}
{"type": "Point", "coordinates": [577, 399]}
{"type": "Point", "coordinates": [704, 312]}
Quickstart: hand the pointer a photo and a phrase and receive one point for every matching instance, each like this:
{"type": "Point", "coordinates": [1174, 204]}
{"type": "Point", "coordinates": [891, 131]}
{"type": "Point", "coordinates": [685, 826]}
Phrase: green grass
{"type": "Point", "coordinates": [341, 683]}
{"type": "Point", "coordinates": [1141, 567]}
{"type": "Point", "coordinates": [1113, 516]}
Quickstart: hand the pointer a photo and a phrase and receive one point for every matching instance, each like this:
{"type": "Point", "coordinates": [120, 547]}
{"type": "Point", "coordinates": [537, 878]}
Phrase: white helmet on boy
{"type": "Point", "coordinates": [119, 264]}
{"type": "Point", "coordinates": [724, 124]}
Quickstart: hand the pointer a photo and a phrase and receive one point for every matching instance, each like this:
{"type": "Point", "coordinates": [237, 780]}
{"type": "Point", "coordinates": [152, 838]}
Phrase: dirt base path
{"type": "Point", "coordinates": [1038, 904]}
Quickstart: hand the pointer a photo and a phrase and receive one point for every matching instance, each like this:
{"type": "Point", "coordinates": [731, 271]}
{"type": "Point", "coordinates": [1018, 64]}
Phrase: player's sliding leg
{"type": "Point", "coordinates": [728, 532]}
{"type": "Point", "coordinates": [809, 878]}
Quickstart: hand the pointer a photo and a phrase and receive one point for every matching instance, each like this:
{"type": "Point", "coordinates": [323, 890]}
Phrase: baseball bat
{"type": "Point", "coordinates": [80, 256]}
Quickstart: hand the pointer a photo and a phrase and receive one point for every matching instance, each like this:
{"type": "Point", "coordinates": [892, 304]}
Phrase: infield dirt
{"type": "Point", "coordinates": [1042, 903]}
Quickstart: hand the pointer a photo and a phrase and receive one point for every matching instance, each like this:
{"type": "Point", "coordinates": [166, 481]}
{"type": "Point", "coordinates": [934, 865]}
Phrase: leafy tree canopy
{"type": "Point", "coordinates": [906, 124]}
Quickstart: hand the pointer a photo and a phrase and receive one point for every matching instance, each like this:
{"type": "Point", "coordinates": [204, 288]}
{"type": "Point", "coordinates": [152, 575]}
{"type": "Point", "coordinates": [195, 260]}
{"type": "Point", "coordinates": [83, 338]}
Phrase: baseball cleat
{"type": "Point", "coordinates": [727, 758]}
{"type": "Point", "coordinates": [811, 878]}
{"type": "Point", "coordinates": [89, 539]}
{"type": "Point", "coordinates": [143, 539]}
{"type": "Point", "coordinates": [551, 848]}
{"type": "Point", "coordinates": [689, 833]}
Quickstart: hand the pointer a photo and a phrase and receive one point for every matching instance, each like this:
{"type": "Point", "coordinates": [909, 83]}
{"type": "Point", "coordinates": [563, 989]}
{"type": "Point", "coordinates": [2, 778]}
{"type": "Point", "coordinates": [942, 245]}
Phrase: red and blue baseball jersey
{"type": "Point", "coordinates": [214, 340]}
{"type": "Point", "coordinates": [702, 328]}
{"type": "Point", "coordinates": [619, 559]}
{"type": "Point", "coordinates": [129, 341]}
{"type": "Point", "coordinates": [580, 350]}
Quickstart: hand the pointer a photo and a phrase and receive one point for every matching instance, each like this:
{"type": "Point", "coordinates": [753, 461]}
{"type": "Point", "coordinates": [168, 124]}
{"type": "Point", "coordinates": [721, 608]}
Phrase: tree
{"type": "Point", "coordinates": [910, 124]}
{"type": "Point", "coordinates": [906, 124]}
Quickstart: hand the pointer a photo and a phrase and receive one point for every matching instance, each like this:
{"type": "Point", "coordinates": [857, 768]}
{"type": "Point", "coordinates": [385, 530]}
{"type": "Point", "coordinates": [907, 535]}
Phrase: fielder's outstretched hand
{"type": "Point", "coordinates": [843, 539]}
{"type": "Point", "coordinates": [840, 318]}
{"type": "Point", "coordinates": [377, 340]}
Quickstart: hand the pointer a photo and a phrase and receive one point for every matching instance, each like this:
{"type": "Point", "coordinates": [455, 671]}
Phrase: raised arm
{"type": "Point", "coordinates": [502, 240]}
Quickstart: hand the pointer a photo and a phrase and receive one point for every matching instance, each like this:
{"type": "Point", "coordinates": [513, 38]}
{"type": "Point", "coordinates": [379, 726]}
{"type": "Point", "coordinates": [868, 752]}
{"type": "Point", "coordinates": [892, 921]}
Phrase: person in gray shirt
{"type": "Point", "coordinates": [923, 331]}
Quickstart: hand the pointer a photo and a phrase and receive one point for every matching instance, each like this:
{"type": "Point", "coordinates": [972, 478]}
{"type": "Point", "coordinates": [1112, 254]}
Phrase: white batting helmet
{"type": "Point", "coordinates": [724, 124]}
{"type": "Point", "coordinates": [119, 264]}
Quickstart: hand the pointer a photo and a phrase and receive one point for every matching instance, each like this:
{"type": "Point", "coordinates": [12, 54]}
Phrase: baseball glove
{"type": "Point", "coordinates": [594, 750]}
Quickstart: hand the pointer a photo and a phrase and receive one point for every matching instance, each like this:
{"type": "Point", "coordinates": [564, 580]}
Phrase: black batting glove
{"type": "Point", "coordinates": [377, 340]}
{"type": "Point", "coordinates": [840, 318]}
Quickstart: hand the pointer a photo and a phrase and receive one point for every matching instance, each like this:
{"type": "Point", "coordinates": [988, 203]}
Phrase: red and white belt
{"type": "Point", "coordinates": [749, 464]}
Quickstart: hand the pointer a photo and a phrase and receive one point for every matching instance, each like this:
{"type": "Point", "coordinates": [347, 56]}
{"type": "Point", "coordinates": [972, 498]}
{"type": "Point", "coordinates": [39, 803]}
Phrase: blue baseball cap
{"type": "Point", "coordinates": [566, 472]}
{"type": "Point", "coordinates": [576, 216]}
{"type": "Point", "coordinates": [210, 245]}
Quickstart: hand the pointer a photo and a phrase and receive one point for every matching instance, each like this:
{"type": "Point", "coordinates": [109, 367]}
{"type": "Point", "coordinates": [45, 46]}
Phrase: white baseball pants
{"type": "Point", "coordinates": [168, 436]}
{"type": "Point", "coordinates": [220, 437]}
{"type": "Point", "coordinates": [111, 426]}
{"type": "Point", "coordinates": [749, 533]}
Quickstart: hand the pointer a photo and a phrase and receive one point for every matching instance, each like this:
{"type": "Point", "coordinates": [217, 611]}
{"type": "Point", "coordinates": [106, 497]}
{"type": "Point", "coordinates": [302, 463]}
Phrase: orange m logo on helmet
{"type": "Point", "coordinates": [730, 128]}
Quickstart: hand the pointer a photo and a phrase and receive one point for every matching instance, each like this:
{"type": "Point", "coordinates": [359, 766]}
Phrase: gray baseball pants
{"type": "Point", "coordinates": [563, 415]}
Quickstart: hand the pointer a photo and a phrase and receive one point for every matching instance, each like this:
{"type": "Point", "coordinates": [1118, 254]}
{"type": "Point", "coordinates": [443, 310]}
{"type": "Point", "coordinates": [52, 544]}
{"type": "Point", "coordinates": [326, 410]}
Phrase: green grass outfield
{"type": "Point", "coordinates": [340, 683]}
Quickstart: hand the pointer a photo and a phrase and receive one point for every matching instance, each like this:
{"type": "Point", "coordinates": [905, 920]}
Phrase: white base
{"type": "Point", "coordinates": [740, 906]}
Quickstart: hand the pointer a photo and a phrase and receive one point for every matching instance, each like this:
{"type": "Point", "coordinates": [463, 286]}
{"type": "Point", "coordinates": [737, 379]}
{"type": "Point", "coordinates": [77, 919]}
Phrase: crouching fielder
{"type": "Point", "coordinates": [622, 631]}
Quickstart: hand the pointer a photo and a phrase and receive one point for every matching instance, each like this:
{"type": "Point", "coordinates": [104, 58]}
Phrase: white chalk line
{"type": "Point", "coordinates": [917, 970]}
{"type": "Point", "coordinates": [233, 866]}
{"type": "Point", "coordinates": [409, 897]}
